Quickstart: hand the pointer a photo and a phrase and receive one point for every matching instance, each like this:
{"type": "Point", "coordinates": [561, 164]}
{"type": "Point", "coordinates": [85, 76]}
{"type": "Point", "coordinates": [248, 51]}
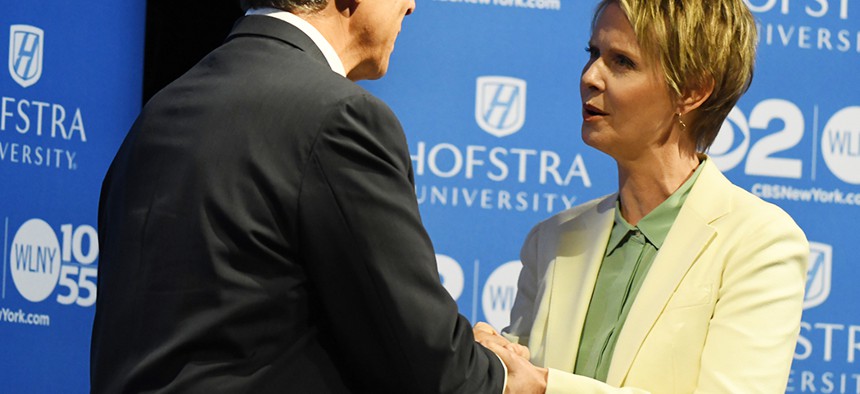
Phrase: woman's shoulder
{"type": "Point", "coordinates": [717, 198]}
{"type": "Point", "coordinates": [599, 205]}
{"type": "Point", "coordinates": [754, 206]}
{"type": "Point", "coordinates": [757, 216]}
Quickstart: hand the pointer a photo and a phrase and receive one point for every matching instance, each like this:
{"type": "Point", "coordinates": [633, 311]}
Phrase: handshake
{"type": "Point", "coordinates": [523, 377]}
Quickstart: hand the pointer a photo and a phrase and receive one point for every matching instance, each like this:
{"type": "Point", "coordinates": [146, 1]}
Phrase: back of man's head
{"type": "Point", "coordinates": [295, 6]}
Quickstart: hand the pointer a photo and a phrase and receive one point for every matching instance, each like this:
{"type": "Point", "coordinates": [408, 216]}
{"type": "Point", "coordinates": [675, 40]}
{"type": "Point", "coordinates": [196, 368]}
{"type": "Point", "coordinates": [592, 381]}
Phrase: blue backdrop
{"type": "Point", "coordinates": [488, 93]}
{"type": "Point", "coordinates": [70, 90]}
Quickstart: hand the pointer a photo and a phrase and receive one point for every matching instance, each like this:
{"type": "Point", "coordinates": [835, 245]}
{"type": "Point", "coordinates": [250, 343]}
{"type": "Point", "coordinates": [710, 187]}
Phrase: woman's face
{"type": "Point", "coordinates": [627, 109]}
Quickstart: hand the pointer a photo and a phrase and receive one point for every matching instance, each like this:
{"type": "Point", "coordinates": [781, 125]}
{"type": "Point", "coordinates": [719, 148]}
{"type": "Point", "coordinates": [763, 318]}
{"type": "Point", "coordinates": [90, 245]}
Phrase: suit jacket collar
{"type": "Point", "coordinates": [577, 266]}
{"type": "Point", "coordinates": [266, 26]}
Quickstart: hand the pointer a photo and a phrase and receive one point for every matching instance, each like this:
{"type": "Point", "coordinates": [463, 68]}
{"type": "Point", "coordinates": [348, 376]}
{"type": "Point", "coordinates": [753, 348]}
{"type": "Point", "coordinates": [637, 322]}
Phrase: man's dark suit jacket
{"type": "Point", "coordinates": [259, 233]}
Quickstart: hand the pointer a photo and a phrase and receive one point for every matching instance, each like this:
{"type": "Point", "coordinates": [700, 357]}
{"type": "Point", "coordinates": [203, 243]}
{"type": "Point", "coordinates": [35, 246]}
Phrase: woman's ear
{"type": "Point", "coordinates": [695, 96]}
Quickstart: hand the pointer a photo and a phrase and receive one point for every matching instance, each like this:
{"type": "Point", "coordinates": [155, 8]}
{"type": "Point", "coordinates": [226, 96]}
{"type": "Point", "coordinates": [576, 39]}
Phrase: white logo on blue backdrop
{"type": "Point", "coordinates": [762, 158]}
{"type": "Point", "coordinates": [818, 274]}
{"type": "Point", "coordinates": [500, 104]}
{"type": "Point", "coordinates": [40, 262]}
{"type": "Point", "coordinates": [840, 144]}
{"type": "Point", "coordinates": [451, 275]}
{"type": "Point", "coordinates": [25, 54]}
{"type": "Point", "coordinates": [35, 260]}
{"type": "Point", "coordinates": [499, 294]}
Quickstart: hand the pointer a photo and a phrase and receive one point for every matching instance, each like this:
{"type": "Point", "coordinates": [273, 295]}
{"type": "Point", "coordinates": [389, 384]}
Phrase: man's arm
{"type": "Point", "coordinates": [373, 265]}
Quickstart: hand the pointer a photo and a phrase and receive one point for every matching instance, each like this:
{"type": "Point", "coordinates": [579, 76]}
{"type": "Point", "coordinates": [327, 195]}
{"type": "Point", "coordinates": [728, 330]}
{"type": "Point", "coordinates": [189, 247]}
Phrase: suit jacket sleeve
{"type": "Point", "coordinates": [373, 266]}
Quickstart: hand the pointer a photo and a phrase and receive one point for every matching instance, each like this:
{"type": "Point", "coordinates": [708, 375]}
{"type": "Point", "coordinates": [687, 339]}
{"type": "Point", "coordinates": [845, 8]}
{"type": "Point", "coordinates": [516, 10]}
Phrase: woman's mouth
{"type": "Point", "coordinates": [590, 112]}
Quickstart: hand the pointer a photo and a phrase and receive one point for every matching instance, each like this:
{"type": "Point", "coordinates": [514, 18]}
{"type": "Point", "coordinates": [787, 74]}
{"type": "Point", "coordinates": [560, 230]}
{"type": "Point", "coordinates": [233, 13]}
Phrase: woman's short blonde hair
{"type": "Point", "coordinates": [697, 42]}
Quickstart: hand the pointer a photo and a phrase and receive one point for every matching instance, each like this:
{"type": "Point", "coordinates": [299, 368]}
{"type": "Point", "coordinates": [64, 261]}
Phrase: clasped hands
{"type": "Point", "coordinates": [523, 377]}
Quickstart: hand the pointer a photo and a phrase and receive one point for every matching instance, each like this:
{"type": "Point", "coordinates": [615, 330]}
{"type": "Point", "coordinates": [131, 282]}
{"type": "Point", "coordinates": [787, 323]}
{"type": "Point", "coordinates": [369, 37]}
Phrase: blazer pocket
{"type": "Point", "coordinates": [692, 297]}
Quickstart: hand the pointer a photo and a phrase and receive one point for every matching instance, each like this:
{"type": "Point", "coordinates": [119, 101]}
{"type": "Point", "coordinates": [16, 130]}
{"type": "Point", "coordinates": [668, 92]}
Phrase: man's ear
{"type": "Point", "coordinates": [695, 96]}
{"type": "Point", "coordinates": [348, 6]}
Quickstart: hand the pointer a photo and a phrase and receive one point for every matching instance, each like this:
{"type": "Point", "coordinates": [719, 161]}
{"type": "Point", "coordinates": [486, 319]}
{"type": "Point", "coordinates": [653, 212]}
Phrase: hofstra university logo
{"type": "Point", "coordinates": [25, 54]}
{"type": "Point", "coordinates": [819, 273]}
{"type": "Point", "coordinates": [500, 104]}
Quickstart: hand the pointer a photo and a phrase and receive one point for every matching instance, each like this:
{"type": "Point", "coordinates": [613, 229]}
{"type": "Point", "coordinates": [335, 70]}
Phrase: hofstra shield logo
{"type": "Point", "coordinates": [818, 274]}
{"type": "Point", "coordinates": [500, 104]}
{"type": "Point", "coordinates": [25, 54]}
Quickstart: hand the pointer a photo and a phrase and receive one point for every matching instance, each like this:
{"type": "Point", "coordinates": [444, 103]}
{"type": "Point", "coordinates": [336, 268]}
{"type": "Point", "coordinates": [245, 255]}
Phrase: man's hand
{"type": "Point", "coordinates": [523, 377]}
{"type": "Point", "coordinates": [485, 334]}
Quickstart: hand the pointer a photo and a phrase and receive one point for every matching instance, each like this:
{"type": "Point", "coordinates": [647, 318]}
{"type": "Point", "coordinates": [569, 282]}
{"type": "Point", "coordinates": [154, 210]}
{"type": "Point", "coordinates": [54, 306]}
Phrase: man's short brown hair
{"type": "Point", "coordinates": [298, 6]}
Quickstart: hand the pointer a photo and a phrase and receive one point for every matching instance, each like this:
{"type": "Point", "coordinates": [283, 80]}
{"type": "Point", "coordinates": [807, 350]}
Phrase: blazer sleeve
{"type": "Point", "coordinates": [372, 264]}
{"type": "Point", "coordinates": [526, 301]}
{"type": "Point", "coordinates": [753, 332]}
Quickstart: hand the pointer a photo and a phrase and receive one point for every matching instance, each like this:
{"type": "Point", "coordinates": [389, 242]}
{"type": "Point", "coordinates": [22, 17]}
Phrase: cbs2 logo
{"type": "Point", "coordinates": [760, 160]}
{"type": "Point", "coordinates": [840, 139]}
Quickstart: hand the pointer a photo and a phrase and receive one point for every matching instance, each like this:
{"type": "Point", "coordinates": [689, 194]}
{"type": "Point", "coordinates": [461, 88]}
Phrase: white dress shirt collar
{"type": "Point", "coordinates": [328, 51]}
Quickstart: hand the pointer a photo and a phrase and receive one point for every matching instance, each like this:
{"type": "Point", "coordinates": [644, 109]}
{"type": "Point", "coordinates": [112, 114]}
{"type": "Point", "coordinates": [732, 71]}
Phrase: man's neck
{"type": "Point", "coordinates": [322, 40]}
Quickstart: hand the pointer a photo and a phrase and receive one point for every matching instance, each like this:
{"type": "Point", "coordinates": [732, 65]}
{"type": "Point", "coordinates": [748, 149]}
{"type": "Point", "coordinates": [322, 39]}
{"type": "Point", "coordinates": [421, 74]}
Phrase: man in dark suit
{"type": "Point", "coordinates": [259, 229]}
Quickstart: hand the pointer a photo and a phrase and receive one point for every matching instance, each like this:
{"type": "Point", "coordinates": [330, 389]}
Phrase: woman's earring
{"type": "Point", "coordinates": [683, 125]}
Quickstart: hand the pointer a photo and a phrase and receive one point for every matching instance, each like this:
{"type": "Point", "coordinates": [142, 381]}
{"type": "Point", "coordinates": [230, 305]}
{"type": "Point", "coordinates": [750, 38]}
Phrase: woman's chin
{"type": "Point", "coordinates": [591, 137]}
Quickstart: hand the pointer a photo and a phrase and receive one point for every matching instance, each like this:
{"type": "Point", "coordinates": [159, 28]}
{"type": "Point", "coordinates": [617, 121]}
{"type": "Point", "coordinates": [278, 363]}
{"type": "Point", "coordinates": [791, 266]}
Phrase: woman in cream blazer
{"type": "Point", "coordinates": [718, 309]}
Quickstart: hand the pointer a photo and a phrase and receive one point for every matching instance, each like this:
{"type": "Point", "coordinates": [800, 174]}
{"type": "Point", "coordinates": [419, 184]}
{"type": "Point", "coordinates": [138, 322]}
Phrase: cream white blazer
{"type": "Point", "coordinates": [719, 311]}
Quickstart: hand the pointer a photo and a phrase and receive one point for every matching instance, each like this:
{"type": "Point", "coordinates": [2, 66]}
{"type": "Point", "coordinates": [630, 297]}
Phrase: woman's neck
{"type": "Point", "coordinates": [645, 183]}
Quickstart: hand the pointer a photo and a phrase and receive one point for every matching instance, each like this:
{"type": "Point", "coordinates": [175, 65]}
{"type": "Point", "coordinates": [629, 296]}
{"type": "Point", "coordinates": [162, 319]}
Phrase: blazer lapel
{"type": "Point", "coordinates": [689, 237]}
{"type": "Point", "coordinates": [578, 258]}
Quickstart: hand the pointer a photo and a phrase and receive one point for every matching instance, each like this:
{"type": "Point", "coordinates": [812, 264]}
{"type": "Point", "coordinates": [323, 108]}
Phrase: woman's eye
{"type": "Point", "coordinates": [626, 62]}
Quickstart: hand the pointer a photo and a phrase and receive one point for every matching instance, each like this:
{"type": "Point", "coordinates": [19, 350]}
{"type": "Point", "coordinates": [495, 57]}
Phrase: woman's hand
{"type": "Point", "coordinates": [485, 335]}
